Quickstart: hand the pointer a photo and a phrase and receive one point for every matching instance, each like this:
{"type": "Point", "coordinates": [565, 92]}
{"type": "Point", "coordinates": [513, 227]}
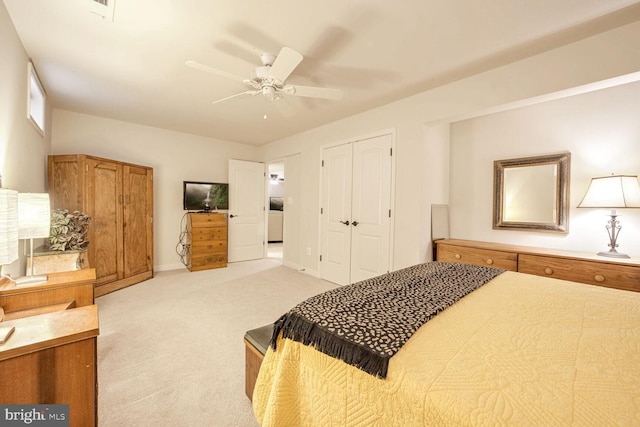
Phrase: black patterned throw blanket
{"type": "Point", "coordinates": [366, 323]}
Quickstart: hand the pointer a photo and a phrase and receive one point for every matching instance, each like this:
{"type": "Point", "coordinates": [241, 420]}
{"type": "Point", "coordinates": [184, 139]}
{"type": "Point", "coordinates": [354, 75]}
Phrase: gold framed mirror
{"type": "Point", "coordinates": [532, 193]}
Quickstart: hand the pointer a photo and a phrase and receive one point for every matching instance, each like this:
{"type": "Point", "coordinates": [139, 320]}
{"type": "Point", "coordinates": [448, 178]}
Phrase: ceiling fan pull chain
{"type": "Point", "coordinates": [265, 107]}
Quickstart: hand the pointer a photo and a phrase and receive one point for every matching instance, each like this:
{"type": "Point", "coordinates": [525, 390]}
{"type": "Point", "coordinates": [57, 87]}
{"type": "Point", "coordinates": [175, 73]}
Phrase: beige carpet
{"type": "Point", "coordinates": [170, 350]}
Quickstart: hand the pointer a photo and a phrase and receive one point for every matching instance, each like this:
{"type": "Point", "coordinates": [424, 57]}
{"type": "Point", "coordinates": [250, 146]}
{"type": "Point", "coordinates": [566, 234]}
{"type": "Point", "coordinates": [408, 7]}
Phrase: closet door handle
{"type": "Point", "coordinates": [344, 222]}
{"type": "Point", "coordinates": [355, 223]}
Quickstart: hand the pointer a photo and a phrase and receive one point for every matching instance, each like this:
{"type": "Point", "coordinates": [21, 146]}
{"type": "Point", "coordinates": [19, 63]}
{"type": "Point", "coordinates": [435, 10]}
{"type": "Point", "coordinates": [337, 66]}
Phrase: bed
{"type": "Point", "coordinates": [517, 350]}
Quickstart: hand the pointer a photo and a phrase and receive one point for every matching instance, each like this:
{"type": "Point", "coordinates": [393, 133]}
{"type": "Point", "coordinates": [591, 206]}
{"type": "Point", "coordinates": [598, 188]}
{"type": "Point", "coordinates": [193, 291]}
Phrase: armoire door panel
{"type": "Point", "coordinates": [66, 183]}
{"type": "Point", "coordinates": [137, 219]}
{"type": "Point", "coordinates": [104, 181]}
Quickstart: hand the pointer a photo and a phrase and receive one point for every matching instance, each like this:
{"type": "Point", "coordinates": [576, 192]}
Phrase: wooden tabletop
{"type": "Point", "coordinates": [64, 278]}
{"type": "Point", "coordinates": [43, 331]}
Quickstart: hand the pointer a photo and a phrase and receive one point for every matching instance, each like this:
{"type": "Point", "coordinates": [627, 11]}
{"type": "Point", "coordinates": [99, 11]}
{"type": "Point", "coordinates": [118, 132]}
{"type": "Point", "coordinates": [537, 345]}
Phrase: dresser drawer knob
{"type": "Point", "coordinates": [489, 261]}
{"type": "Point", "coordinates": [458, 256]}
{"type": "Point", "coordinates": [548, 270]}
{"type": "Point", "coordinates": [598, 278]}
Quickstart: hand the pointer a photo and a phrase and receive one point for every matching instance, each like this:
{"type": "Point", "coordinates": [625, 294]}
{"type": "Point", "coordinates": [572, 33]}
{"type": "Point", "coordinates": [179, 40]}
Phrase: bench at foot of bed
{"type": "Point", "coordinates": [256, 342]}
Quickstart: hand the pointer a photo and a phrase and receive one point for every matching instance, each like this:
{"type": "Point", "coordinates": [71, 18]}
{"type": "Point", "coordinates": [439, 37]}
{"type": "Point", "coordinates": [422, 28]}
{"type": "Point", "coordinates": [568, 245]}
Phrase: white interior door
{"type": "Point", "coordinates": [246, 210]}
{"type": "Point", "coordinates": [371, 208]}
{"type": "Point", "coordinates": [356, 210]}
{"type": "Point", "coordinates": [336, 213]}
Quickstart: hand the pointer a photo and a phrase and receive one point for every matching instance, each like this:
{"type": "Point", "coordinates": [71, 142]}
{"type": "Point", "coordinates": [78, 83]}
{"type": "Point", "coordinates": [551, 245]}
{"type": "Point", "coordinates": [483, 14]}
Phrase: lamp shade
{"type": "Point", "coordinates": [34, 215]}
{"type": "Point", "coordinates": [615, 191]}
{"type": "Point", "coordinates": [8, 226]}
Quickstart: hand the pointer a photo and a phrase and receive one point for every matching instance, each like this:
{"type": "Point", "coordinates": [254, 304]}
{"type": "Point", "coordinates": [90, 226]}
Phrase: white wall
{"type": "Point", "coordinates": [276, 189]}
{"type": "Point", "coordinates": [421, 138]}
{"type": "Point", "coordinates": [174, 157]}
{"type": "Point", "coordinates": [600, 129]}
{"type": "Point", "coordinates": [291, 227]}
{"type": "Point", "coordinates": [23, 150]}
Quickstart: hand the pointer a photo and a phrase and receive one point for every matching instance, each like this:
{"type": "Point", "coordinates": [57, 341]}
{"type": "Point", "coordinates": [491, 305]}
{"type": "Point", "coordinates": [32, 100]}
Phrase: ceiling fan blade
{"type": "Point", "coordinates": [313, 92]}
{"type": "Point", "coordinates": [206, 68]}
{"type": "Point", "coordinates": [248, 92]}
{"type": "Point", "coordinates": [283, 106]}
{"type": "Point", "coordinates": [286, 61]}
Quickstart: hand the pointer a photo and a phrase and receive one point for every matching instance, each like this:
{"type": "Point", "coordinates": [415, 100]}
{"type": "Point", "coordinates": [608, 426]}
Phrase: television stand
{"type": "Point", "coordinates": [207, 240]}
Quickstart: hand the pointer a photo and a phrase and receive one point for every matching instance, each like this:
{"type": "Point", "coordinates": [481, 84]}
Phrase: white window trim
{"type": "Point", "coordinates": [31, 73]}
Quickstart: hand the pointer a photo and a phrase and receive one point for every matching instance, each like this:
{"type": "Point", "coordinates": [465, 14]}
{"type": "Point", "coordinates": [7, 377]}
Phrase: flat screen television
{"type": "Point", "coordinates": [205, 196]}
{"type": "Point", "coordinates": [276, 203]}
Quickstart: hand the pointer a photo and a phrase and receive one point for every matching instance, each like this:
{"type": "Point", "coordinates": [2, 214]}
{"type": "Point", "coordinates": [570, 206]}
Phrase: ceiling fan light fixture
{"type": "Point", "coordinates": [289, 90]}
{"type": "Point", "coordinates": [267, 59]}
{"type": "Point", "coordinates": [269, 92]}
{"type": "Point", "coordinates": [270, 80]}
{"type": "Point", "coordinates": [260, 73]}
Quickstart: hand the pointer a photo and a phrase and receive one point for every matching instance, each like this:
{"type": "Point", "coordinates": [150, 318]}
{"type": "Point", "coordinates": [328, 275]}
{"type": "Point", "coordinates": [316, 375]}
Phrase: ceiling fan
{"type": "Point", "coordinates": [270, 80]}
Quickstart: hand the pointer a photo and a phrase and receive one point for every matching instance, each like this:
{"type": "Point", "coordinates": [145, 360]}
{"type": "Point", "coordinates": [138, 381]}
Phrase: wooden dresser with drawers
{"type": "Point", "coordinates": [582, 267]}
{"type": "Point", "coordinates": [207, 239]}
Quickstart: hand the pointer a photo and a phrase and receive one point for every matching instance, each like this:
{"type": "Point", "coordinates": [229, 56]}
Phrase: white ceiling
{"type": "Point", "coordinates": [132, 68]}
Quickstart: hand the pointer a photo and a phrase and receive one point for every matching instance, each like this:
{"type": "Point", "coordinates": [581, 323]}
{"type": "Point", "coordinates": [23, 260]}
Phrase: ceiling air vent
{"type": "Point", "coordinates": [102, 8]}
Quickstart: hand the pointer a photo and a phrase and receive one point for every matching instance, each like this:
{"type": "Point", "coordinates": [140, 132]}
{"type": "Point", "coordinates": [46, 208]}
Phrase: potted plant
{"type": "Point", "coordinates": [68, 230]}
{"type": "Point", "coordinates": [66, 247]}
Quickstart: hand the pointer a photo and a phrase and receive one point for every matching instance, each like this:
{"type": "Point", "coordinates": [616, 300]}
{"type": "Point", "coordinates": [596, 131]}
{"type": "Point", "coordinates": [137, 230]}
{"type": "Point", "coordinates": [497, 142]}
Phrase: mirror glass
{"type": "Point", "coordinates": [532, 193]}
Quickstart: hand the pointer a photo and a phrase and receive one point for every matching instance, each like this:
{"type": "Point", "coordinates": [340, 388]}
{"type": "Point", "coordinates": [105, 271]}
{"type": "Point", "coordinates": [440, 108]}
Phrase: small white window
{"type": "Point", "coordinates": [36, 100]}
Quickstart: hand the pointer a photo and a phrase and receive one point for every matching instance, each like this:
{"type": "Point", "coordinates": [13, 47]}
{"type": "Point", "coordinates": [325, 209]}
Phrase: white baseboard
{"type": "Point", "coordinates": [178, 266]}
{"type": "Point", "coordinates": [168, 267]}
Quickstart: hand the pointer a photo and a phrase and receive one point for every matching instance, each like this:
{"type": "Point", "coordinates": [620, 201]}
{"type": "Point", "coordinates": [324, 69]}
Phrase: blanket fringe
{"type": "Point", "coordinates": [299, 329]}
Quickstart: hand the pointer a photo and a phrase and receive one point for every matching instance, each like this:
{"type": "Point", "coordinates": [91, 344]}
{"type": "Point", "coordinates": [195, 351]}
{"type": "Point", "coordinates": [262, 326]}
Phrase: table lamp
{"type": "Point", "coordinates": [615, 191]}
{"type": "Point", "coordinates": [8, 242]}
{"type": "Point", "coordinates": [34, 221]}
{"type": "Point", "coordinates": [8, 226]}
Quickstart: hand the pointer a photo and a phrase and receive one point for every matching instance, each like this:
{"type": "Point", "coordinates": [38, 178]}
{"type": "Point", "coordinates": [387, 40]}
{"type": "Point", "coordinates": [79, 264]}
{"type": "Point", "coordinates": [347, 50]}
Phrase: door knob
{"type": "Point", "coordinates": [344, 222]}
{"type": "Point", "coordinates": [355, 223]}
{"type": "Point", "coordinates": [231, 216]}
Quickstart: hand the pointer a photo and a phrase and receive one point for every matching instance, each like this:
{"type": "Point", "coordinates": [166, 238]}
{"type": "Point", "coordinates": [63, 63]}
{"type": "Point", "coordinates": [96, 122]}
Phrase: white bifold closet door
{"type": "Point", "coordinates": [356, 210]}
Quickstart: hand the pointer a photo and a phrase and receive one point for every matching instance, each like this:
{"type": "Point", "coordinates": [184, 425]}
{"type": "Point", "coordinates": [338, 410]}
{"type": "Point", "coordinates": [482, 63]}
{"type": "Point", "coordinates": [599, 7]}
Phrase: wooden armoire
{"type": "Point", "coordinates": [118, 197]}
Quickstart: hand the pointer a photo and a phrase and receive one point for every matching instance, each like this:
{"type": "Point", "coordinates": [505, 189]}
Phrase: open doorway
{"type": "Point", "coordinates": [275, 218]}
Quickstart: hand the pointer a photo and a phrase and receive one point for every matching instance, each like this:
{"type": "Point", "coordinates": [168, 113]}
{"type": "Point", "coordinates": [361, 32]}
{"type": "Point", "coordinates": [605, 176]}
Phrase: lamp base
{"type": "Point", "coordinates": [613, 254]}
{"type": "Point", "coordinates": [26, 280]}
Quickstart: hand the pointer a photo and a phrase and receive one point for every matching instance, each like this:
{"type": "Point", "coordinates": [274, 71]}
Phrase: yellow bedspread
{"type": "Point", "coordinates": [522, 350]}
